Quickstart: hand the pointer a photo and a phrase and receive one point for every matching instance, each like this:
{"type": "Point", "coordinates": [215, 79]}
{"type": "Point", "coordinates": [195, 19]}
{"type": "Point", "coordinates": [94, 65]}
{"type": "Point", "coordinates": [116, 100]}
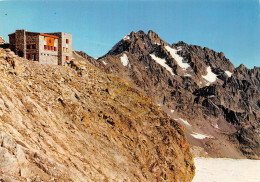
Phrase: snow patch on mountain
{"type": "Point", "coordinates": [126, 37]}
{"type": "Point", "coordinates": [177, 57]}
{"type": "Point", "coordinates": [187, 75]}
{"type": "Point", "coordinates": [231, 170]}
{"type": "Point", "coordinates": [216, 126]}
{"type": "Point", "coordinates": [200, 136]}
{"type": "Point", "coordinates": [183, 121]}
{"type": "Point", "coordinates": [210, 77]}
{"type": "Point", "coordinates": [162, 62]}
{"type": "Point", "coordinates": [124, 60]}
{"type": "Point", "coordinates": [228, 73]}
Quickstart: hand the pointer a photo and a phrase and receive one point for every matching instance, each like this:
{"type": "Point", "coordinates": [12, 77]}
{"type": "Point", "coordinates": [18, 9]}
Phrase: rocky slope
{"type": "Point", "coordinates": [79, 124]}
{"type": "Point", "coordinates": [2, 41]}
{"type": "Point", "coordinates": [217, 103]}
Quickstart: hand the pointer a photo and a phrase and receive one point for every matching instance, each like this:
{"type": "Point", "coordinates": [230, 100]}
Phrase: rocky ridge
{"type": "Point", "coordinates": [81, 124]}
{"type": "Point", "coordinates": [2, 41]}
{"type": "Point", "coordinates": [217, 103]}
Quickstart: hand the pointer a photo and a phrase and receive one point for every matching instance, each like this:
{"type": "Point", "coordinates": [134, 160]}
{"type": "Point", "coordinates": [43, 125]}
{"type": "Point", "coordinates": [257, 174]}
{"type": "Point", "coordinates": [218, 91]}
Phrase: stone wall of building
{"type": "Point", "coordinates": [66, 40]}
{"type": "Point", "coordinates": [64, 47]}
{"type": "Point", "coordinates": [49, 55]}
{"type": "Point", "coordinates": [32, 46]}
{"type": "Point", "coordinates": [12, 42]}
{"type": "Point", "coordinates": [20, 42]}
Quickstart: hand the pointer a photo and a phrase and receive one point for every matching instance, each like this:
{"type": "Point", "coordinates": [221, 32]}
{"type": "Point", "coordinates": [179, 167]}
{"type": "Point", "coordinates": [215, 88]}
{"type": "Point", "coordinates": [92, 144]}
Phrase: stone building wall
{"type": "Point", "coordinates": [48, 56]}
{"type": "Point", "coordinates": [12, 42]}
{"type": "Point", "coordinates": [65, 47]}
{"type": "Point", "coordinates": [20, 43]}
{"type": "Point", "coordinates": [32, 46]}
{"type": "Point", "coordinates": [66, 40]}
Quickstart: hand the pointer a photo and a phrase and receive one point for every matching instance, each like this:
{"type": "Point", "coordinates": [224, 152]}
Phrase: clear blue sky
{"type": "Point", "coordinates": [230, 26]}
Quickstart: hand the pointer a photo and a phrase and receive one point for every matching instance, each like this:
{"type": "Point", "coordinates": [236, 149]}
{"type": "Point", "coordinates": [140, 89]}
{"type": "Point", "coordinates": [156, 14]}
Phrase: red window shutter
{"type": "Point", "coordinates": [67, 57]}
{"type": "Point", "coordinates": [67, 41]}
{"type": "Point", "coordinates": [55, 48]}
{"type": "Point", "coordinates": [45, 46]}
{"type": "Point", "coordinates": [52, 48]}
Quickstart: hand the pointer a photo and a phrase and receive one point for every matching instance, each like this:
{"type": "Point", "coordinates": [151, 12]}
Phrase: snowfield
{"type": "Point", "coordinates": [162, 62]}
{"type": "Point", "coordinates": [183, 121]}
{"type": "Point", "coordinates": [200, 136]}
{"type": "Point", "coordinates": [210, 77]}
{"type": "Point", "coordinates": [126, 37]}
{"type": "Point", "coordinates": [177, 57]}
{"type": "Point", "coordinates": [226, 170]}
{"type": "Point", "coordinates": [124, 60]}
{"type": "Point", "coordinates": [229, 74]}
{"type": "Point", "coordinates": [104, 63]}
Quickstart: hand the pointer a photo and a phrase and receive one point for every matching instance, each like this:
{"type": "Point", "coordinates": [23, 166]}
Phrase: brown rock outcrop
{"type": "Point", "coordinates": [80, 124]}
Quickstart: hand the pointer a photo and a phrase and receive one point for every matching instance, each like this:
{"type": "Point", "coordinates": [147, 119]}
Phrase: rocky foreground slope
{"type": "Point", "coordinates": [217, 103]}
{"type": "Point", "coordinates": [80, 124]}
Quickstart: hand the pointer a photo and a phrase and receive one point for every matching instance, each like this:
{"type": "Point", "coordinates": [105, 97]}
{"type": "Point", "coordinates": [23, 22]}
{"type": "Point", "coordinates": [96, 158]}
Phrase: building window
{"type": "Point", "coordinates": [28, 47]}
{"type": "Point", "coordinates": [67, 57]}
{"type": "Point", "coordinates": [66, 49]}
{"type": "Point", "coordinates": [49, 48]}
{"type": "Point", "coordinates": [45, 47]}
{"type": "Point", "coordinates": [55, 48]}
{"type": "Point", "coordinates": [33, 46]}
{"type": "Point", "coordinates": [67, 41]}
{"type": "Point", "coordinates": [52, 48]}
{"type": "Point", "coordinates": [63, 49]}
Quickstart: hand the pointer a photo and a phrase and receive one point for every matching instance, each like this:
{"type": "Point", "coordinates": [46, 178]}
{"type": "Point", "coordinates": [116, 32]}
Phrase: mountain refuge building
{"type": "Point", "coordinates": [46, 48]}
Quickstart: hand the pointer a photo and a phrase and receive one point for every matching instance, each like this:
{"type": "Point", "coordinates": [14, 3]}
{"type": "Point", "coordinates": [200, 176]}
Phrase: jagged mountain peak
{"type": "Point", "coordinates": [194, 82]}
{"type": "Point", "coordinates": [136, 42]}
{"type": "Point", "coordinates": [202, 64]}
{"type": "Point", "coordinates": [242, 67]}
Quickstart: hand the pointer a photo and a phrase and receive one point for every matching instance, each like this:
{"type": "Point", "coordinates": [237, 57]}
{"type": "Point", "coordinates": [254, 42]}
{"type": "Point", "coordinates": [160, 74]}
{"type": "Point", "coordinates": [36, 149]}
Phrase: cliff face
{"type": "Point", "coordinates": [217, 103]}
{"type": "Point", "coordinates": [81, 124]}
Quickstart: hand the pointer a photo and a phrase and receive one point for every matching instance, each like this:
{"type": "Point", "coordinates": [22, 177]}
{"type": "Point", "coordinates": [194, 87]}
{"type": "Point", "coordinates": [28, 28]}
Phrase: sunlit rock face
{"type": "Point", "coordinates": [80, 124]}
